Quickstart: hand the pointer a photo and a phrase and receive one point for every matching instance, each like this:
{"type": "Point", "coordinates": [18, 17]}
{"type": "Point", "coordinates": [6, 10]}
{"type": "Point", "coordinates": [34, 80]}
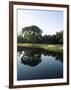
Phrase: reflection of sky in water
{"type": "Point", "coordinates": [48, 68]}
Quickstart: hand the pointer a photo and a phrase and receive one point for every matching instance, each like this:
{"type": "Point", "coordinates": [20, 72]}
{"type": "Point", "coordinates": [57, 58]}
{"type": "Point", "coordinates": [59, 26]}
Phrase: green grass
{"type": "Point", "coordinates": [49, 47]}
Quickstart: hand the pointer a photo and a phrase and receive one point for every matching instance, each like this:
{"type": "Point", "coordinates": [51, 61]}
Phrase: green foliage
{"type": "Point", "coordinates": [33, 34]}
{"type": "Point", "coordinates": [59, 37]}
{"type": "Point", "coordinates": [54, 39]}
{"type": "Point", "coordinates": [20, 39]}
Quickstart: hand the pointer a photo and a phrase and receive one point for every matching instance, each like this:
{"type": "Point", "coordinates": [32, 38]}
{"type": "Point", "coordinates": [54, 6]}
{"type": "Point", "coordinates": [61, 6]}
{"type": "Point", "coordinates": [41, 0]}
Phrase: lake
{"type": "Point", "coordinates": [35, 63]}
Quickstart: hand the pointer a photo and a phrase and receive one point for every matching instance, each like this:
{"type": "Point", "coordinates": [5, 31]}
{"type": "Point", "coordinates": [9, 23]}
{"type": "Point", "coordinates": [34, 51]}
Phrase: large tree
{"type": "Point", "coordinates": [32, 33]}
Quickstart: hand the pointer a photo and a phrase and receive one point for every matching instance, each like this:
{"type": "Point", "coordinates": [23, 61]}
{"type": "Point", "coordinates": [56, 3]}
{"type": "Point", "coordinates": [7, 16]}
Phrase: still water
{"type": "Point", "coordinates": [33, 63]}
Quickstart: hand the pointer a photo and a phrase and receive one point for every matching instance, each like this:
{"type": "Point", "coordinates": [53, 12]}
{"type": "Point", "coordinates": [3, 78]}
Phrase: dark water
{"type": "Point", "coordinates": [33, 63]}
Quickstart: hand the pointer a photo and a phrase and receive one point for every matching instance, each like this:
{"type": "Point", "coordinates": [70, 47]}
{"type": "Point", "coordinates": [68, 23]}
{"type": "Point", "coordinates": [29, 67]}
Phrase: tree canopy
{"type": "Point", "coordinates": [33, 34]}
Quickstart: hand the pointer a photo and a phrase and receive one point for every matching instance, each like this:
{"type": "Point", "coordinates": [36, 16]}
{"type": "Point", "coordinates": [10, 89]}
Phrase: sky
{"type": "Point", "coordinates": [48, 21]}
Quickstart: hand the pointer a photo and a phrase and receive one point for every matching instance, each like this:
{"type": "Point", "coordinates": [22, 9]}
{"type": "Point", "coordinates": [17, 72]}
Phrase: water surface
{"type": "Point", "coordinates": [33, 63]}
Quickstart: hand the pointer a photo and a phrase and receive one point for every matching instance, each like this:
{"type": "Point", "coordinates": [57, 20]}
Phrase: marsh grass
{"type": "Point", "coordinates": [49, 47]}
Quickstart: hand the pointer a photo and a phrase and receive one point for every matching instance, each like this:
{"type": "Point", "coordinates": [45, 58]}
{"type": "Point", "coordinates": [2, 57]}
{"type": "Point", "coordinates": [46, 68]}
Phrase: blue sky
{"type": "Point", "coordinates": [48, 21]}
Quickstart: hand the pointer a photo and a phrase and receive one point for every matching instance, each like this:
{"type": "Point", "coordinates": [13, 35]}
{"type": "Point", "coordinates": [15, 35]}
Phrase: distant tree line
{"type": "Point", "coordinates": [33, 34]}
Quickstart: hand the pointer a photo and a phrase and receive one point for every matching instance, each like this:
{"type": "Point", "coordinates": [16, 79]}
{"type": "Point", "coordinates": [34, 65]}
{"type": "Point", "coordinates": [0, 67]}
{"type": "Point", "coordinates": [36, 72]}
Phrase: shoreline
{"type": "Point", "coordinates": [50, 47]}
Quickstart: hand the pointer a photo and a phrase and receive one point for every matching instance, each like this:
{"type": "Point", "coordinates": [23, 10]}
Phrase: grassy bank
{"type": "Point", "coordinates": [49, 47]}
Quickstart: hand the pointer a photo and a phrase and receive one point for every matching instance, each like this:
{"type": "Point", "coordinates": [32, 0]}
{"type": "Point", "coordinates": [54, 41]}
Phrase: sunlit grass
{"type": "Point", "coordinates": [49, 47]}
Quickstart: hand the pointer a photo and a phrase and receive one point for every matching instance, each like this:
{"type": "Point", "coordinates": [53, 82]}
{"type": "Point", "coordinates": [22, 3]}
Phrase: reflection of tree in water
{"type": "Point", "coordinates": [32, 56]}
{"type": "Point", "coordinates": [58, 56]}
